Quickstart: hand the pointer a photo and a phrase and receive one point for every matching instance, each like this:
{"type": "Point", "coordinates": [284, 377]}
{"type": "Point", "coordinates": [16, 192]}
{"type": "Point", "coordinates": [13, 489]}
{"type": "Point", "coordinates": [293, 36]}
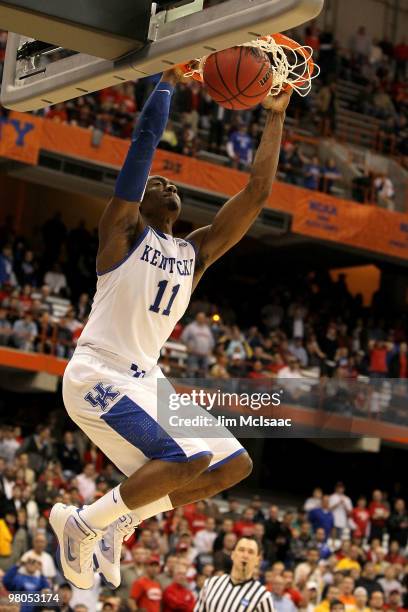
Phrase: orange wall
{"type": "Point", "coordinates": [360, 279]}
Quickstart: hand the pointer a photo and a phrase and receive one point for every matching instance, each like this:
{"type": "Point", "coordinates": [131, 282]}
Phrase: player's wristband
{"type": "Point", "coordinates": [132, 179]}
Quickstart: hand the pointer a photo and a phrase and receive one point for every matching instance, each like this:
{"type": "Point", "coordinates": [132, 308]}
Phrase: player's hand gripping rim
{"type": "Point", "coordinates": [279, 103]}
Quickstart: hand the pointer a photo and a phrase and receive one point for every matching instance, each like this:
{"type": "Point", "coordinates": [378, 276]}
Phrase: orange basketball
{"type": "Point", "coordinates": [238, 78]}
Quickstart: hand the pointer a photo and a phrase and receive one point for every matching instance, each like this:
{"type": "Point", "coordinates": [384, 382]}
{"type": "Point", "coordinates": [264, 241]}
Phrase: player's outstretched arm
{"type": "Point", "coordinates": [237, 215]}
{"type": "Point", "coordinates": [121, 221]}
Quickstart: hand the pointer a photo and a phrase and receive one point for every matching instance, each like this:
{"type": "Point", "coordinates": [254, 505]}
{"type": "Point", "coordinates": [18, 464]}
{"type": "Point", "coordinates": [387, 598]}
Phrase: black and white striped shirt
{"type": "Point", "coordinates": [220, 594]}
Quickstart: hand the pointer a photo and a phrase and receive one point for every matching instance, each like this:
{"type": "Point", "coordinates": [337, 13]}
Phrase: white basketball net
{"type": "Point", "coordinates": [291, 66]}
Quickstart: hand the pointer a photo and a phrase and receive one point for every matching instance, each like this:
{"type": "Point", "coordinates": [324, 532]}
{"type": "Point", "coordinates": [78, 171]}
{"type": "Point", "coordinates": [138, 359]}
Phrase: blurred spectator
{"type": "Point", "coordinates": [401, 57]}
{"type": "Point", "coordinates": [39, 448]}
{"type": "Point", "coordinates": [5, 328]}
{"type": "Point", "coordinates": [327, 109]}
{"type": "Point", "coordinates": [132, 571]}
{"type": "Point", "coordinates": [395, 602]}
{"type": "Point", "coordinates": [65, 597]}
{"type": "Point", "coordinates": [27, 270]}
{"type": "Point", "coordinates": [240, 148]}
{"type": "Point", "coordinates": [389, 583]}
{"type": "Point", "coordinates": [64, 339]}
{"type": "Point", "coordinates": [398, 523]}
{"type": "Point", "coordinates": [368, 579]}
{"type": "Point", "coordinates": [297, 349]}
{"type": "Point", "coordinates": [281, 602]}
{"type": "Point", "coordinates": [330, 176]}
{"type": "Point", "coordinates": [379, 513]}
{"type": "Point", "coordinates": [361, 598]}
{"type": "Point", "coordinates": [199, 340]}
{"type": "Point", "coordinates": [341, 508]}
{"type": "Point", "coordinates": [323, 516]}
{"type": "Point", "coordinates": [169, 140]}
{"type": "Point", "coordinates": [86, 482]}
{"type": "Point", "coordinates": [146, 592]}
{"type": "Point", "coordinates": [68, 455]}
{"type": "Point", "coordinates": [376, 601]}
{"type": "Point", "coordinates": [24, 333]}
{"type": "Point", "coordinates": [26, 577]}
{"type": "Point", "coordinates": [38, 552]}
{"type": "Point", "coordinates": [315, 501]}
{"type": "Point", "coordinates": [360, 517]}
{"type": "Point", "coordinates": [7, 276]}
{"type": "Point", "coordinates": [56, 280]}
{"type": "Point", "coordinates": [222, 557]}
{"type": "Point", "coordinates": [360, 44]}
{"type": "Point", "coordinates": [219, 369]}
{"type": "Point", "coordinates": [177, 596]}
{"type": "Point", "coordinates": [204, 538]}
{"type": "Point", "coordinates": [385, 191]}
{"type": "Point", "coordinates": [332, 594]}
{"type": "Point", "coordinates": [312, 173]}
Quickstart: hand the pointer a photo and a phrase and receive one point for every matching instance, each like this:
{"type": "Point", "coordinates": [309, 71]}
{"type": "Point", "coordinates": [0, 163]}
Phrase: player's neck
{"type": "Point", "coordinates": [163, 225]}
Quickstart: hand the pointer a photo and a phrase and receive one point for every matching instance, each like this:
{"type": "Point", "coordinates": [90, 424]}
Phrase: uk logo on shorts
{"type": "Point", "coordinates": [102, 396]}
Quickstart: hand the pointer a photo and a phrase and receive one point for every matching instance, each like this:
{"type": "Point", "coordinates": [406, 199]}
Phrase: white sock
{"type": "Point", "coordinates": [144, 512]}
{"type": "Point", "coordinates": [105, 510]}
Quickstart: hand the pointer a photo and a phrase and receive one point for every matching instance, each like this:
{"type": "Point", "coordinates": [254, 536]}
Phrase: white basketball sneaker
{"type": "Point", "coordinates": [76, 544]}
{"type": "Point", "coordinates": [107, 551]}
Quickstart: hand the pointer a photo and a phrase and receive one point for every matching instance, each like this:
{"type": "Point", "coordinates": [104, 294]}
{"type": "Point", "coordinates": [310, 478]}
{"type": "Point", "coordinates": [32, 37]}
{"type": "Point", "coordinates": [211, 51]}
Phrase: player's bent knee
{"type": "Point", "coordinates": [245, 465]}
{"type": "Point", "coordinates": [193, 468]}
{"type": "Point", "coordinates": [236, 470]}
{"type": "Point", "coordinates": [239, 468]}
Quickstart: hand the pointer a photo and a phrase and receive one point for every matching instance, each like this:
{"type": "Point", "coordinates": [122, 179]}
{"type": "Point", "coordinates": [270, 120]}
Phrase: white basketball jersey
{"type": "Point", "coordinates": [139, 301]}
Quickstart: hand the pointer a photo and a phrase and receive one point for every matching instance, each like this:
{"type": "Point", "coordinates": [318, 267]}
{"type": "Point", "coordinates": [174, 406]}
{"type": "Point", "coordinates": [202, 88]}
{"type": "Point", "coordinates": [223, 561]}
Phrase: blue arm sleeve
{"type": "Point", "coordinates": [132, 179]}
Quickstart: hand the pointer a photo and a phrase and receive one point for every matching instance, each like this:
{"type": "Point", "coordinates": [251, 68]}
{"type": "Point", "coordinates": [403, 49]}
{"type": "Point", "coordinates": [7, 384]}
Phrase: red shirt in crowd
{"type": "Point", "coordinates": [244, 528]}
{"type": "Point", "coordinates": [196, 521]}
{"type": "Point", "coordinates": [401, 52]}
{"type": "Point", "coordinates": [395, 558]}
{"type": "Point", "coordinates": [361, 517]}
{"type": "Point", "coordinates": [177, 597]}
{"type": "Point", "coordinates": [378, 512]}
{"type": "Point", "coordinates": [378, 360]}
{"type": "Point", "coordinates": [403, 365]}
{"type": "Point", "coordinates": [147, 594]}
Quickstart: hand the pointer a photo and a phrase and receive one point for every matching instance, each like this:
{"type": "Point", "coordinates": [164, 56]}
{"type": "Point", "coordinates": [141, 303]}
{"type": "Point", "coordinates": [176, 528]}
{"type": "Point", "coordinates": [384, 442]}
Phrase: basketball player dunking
{"type": "Point", "coordinates": [145, 280]}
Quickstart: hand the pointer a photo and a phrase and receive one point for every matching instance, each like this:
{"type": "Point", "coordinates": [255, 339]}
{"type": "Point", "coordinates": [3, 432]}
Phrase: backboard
{"type": "Point", "coordinates": [54, 74]}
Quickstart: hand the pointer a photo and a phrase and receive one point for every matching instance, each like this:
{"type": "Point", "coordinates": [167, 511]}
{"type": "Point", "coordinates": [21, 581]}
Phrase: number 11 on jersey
{"type": "Point", "coordinates": [162, 285]}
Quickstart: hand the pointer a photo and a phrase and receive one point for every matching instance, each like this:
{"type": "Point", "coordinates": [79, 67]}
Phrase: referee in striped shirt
{"type": "Point", "coordinates": [237, 591]}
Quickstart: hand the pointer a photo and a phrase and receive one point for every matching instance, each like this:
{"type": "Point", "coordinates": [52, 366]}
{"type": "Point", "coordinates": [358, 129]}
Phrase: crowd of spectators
{"type": "Point", "coordinates": [45, 299]}
{"type": "Point", "coordinates": [330, 548]}
{"type": "Point", "coordinates": [309, 329]}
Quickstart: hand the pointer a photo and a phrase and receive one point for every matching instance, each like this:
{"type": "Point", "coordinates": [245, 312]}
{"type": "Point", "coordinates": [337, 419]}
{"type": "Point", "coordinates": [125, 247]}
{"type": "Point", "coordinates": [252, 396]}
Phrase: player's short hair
{"type": "Point", "coordinates": [260, 550]}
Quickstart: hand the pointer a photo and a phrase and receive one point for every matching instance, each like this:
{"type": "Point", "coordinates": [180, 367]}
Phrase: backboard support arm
{"type": "Point", "coordinates": [172, 42]}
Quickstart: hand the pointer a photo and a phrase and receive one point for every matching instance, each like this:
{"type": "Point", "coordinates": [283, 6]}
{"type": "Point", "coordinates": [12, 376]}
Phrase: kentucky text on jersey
{"type": "Point", "coordinates": [140, 299]}
{"type": "Point", "coordinates": [154, 257]}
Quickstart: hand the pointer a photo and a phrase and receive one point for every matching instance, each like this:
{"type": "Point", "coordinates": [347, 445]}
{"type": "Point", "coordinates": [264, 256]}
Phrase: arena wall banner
{"type": "Point", "coordinates": [314, 214]}
{"type": "Point", "coordinates": [359, 225]}
{"type": "Point", "coordinates": [20, 137]}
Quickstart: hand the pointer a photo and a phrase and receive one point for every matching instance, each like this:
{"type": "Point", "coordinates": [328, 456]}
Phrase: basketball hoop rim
{"type": "Point", "coordinates": [285, 77]}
